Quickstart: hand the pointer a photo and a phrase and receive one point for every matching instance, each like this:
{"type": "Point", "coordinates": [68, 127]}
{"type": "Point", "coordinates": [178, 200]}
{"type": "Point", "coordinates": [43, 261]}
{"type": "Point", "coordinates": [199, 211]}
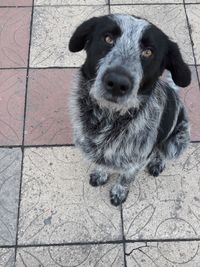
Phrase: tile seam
{"type": "Point", "coordinates": [23, 133]}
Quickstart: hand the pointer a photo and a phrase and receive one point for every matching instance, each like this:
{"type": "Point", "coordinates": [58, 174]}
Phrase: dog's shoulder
{"type": "Point", "coordinates": [170, 112]}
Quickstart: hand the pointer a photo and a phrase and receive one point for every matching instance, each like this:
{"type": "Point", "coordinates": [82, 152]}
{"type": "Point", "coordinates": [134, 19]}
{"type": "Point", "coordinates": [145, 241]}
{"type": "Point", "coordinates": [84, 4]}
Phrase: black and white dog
{"type": "Point", "coordinates": [125, 118]}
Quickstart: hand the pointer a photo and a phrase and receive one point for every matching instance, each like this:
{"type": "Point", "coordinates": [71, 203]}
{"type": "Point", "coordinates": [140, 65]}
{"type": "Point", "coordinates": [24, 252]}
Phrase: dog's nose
{"type": "Point", "coordinates": [117, 82]}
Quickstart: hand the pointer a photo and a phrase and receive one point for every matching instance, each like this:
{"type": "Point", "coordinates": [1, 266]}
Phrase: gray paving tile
{"type": "Point", "coordinates": [192, 1]}
{"type": "Point", "coordinates": [84, 256]}
{"type": "Point", "coordinates": [145, 1]}
{"type": "Point", "coordinates": [58, 204]}
{"type": "Point", "coordinates": [193, 12]}
{"type": "Point", "coordinates": [52, 29]}
{"type": "Point", "coordinates": [10, 169]}
{"type": "Point", "coordinates": [167, 206]}
{"type": "Point", "coordinates": [70, 2]}
{"type": "Point", "coordinates": [7, 257]}
{"type": "Point", "coordinates": [170, 18]}
{"type": "Point", "coordinates": [168, 254]}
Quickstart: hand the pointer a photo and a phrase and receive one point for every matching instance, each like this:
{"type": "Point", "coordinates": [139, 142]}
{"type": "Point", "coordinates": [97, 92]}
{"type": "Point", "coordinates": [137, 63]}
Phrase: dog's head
{"type": "Point", "coordinates": [125, 57]}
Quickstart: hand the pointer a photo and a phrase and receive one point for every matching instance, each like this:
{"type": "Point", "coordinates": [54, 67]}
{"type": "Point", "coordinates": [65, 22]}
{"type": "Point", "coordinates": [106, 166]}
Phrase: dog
{"type": "Point", "coordinates": [125, 118]}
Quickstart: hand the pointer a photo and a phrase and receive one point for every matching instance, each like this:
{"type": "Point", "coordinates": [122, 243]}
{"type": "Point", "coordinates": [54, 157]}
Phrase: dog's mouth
{"type": "Point", "coordinates": [114, 103]}
{"type": "Point", "coordinates": [114, 99]}
{"type": "Point", "coordinates": [101, 95]}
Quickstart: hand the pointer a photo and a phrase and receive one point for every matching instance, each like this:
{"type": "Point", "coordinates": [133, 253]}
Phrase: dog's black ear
{"type": "Point", "coordinates": [81, 34]}
{"type": "Point", "coordinates": [180, 72]}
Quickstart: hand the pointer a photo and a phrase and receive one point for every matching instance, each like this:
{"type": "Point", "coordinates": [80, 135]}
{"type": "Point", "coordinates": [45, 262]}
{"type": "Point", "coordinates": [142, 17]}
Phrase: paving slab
{"type": "Point", "coordinates": [193, 12]}
{"type": "Point", "coordinates": [16, 3]}
{"type": "Point", "coordinates": [10, 171]}
{"type": "Point", "coordinates": [145, 2]}
{"type": "Point", "coordinates": [7, 257]}
{"type": "Point", "coordinates": [84, 256]}
{"type": "Point", "coordinates": [12, 98]}
{"type": "Point", "coordinates": [70, 2]}
{"type": "Point", "coordinates": [170, 18]}
{"type": "Point", "coordinates": [167, 206]}
{"type": "Point", "coordinates": [15, 26]}
{"type": "Point", "coordinates": [192, 1]}
{"type": "Point", "coordinates": [47, 115]}
{"type": "Point", "coordinates": [168, 254]}
{"type": "Point", "coordinates": [58, 205]}
{"type": "Point", "coordinates": [52, 29]}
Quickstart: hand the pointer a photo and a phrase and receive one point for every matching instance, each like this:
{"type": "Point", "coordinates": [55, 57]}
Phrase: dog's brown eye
{"type": "Point", "coordinates": [147, 53]}
{"type": "Point", "coordinates": [109, 39]}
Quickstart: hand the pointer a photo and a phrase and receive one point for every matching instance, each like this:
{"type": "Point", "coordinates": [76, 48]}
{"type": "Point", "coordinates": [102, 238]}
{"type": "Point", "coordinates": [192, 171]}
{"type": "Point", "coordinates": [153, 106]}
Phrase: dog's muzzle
{"type": "Point", "coordinates": [117, 82]}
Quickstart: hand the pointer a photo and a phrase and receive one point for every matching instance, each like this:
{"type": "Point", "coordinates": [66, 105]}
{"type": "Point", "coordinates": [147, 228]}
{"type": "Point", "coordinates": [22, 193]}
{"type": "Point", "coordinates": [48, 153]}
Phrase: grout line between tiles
{"type": "Point", "coordinates": [14, 68]}
{"type": "Point", "coordinates": [87, 5]}
{"type": "Point", "coordinates": [123, 235]}
{"type": "Point", "coordinates": [128, 241]}
{"type": "Point", "coordinates": [76, 5]}
{"type": "Point", "coordinates": [153, 4]}
{"type": "Point", "coordinates": [10, 146]}
{"type": "Point", "coordinates": [39, 68]}
{"type": "Point", "coordinates": [46, 146]}
{"type": "Point", "coordinates": [191, 41]}
{"type": "Point", "coordinates": [15, 6]}
{"type": "Point", "coordinates": [164, 240]}
{"type": "Point", "coordinates": [57, 145]}
{"type": "Point", "coordinates": [72, 244]}
{"type": "Point", "coordinates": [23, 136]}
{"type": "Point", "coordinates": [94, 5]}
{"type": "Point", "coordinates": [109, 10]}
{"type": "Point", "coordinates": [57, 67]}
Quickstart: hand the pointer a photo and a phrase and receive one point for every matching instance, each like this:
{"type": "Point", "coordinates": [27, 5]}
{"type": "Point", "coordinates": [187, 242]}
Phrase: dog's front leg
{"type": "Point", "coordinates": [98, 177]}
{"type": "Point", "coordinates": [119, 192]}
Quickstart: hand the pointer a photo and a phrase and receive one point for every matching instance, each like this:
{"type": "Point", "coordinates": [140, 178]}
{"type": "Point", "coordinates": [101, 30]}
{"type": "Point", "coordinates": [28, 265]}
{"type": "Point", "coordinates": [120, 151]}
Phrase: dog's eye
{"type": "Point", "coordinates": [108, 38]}
{"type": "Point", "coordinates": [147, 53]}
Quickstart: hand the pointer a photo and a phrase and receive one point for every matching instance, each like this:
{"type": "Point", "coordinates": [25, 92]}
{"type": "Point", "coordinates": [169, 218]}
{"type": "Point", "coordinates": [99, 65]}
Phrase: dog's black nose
{"type": "Point", "coordinates": [117, 82]}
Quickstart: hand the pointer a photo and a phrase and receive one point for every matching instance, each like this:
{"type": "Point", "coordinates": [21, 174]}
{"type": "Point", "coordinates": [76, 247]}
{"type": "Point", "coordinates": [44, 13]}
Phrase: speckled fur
{"type": "Point", "coordinates": [123, 138]}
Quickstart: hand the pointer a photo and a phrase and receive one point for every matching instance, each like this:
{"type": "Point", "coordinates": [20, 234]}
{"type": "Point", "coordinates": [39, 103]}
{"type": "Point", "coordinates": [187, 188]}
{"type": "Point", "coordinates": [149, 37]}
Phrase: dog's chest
{"type": "Point", "coordinates": [114, 141]}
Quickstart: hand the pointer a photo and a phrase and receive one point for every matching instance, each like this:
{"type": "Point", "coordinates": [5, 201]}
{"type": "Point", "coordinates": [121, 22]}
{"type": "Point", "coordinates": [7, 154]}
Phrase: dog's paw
{"type": "Point", "coordinates": [118, 194]}
{"type": "Point", "coordinates": [155, 169]}
{"type": "Point", "coordinates": [98, 178]}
